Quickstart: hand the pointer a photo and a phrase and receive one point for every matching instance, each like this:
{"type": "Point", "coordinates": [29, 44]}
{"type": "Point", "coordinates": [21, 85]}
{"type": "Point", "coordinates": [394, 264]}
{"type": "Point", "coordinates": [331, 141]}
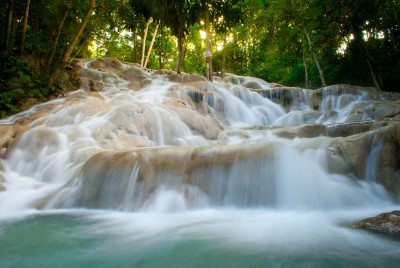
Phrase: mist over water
{"type": "Point", "coordinates": [168, 176]}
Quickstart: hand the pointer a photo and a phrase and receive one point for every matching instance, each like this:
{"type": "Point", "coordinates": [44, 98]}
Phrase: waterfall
{"type": "Point", "coordinates": [372, 160]}
{"type": "Point", "coordinates": [182, 145]}
{"type": "Point", "coordinates": [157, 169]}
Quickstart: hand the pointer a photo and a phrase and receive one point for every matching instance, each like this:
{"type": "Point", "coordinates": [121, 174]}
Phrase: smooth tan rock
{"type": "Point", "coordinates": [350, 155]}
{"type": "Point", "coordinates": [303, 131]}
{"type": "Point", "coordinates": [199, 124]}
{"type": "Point", "coordinates": [9, 134]}
{"type": "Point", "coordinates": [385, 223]}
{"type": "Point", "coordinates": [348, 129]}
{"type": "Point", "coordinates": [94, 105]}
{"type": "Point", "coordinates": [28, 103]}
{"type": "Point", "coordinates": [186, 78]}
{"type": "Point", "coordinates": [134, 74]}
{"type": "Point", "coordinates": [134, 86]}
{"type": "Point", "coordinates": [252, 84]}
{"type": "Point", "coordinates": [107, 64]}
{"type": "Point", "coordinates": [232, 79]}
{"type": "Point", "coordinates": [386, 109]}
{"type": "Point", "coordinates": [109, 173]}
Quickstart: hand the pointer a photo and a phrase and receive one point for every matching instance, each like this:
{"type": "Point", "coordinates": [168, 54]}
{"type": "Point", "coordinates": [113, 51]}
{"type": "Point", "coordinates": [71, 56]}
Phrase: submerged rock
{"type": "Point", "coordinates": [385, 223]}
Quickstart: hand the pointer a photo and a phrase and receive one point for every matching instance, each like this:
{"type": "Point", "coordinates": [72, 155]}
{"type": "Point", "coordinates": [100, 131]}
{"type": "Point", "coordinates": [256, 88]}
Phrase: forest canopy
{"type": "Point", "coordinates": [293, 42]}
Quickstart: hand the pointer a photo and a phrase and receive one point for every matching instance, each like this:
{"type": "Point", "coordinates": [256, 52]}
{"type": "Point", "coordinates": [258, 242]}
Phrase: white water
{"type": "Point", "coordinates": [276, 196]}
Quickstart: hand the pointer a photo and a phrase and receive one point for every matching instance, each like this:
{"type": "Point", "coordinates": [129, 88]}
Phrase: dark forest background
{"type": "Point", "coordinates": [302, 43]}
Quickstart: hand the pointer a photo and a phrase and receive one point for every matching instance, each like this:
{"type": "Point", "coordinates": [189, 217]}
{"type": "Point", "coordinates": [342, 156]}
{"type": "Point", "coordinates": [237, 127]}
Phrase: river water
{"type": "Point", "coordinates": [79, 192]}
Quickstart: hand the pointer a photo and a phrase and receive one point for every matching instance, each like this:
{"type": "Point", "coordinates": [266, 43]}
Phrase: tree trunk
{"type": "Point", "coordinates": [223, 58]}
{"type": "Point", "coordinates": [75, 41]}
{"type": "Point", "coordinates": [359, 39]}
{"type": "Point", "coordinates": [24, 26]}
{"type": "Point", "coordinates": [321, 74]}
{"type": "Point", "coordinates": [151, 46]}
{"type": "Point", "coordinates": [122, 8]}
{"type": "Point", "coordinates": [160, 52]}
{"type": "Point", "coordinates": [7, 37]}
{"type": "Point", "coordinates": [306, 77]}
{"type": "Point", "coordinates": [373, 75]}
{"type": "Point", "coordinates": [79, 34]}
{"type": "Point", "coordinates": [134, 30]}
{"type": "Point", "coordinates": [58, 33]}
{"type": "Point", "coordinates": [208, 54]}
{"type": "Point", "coordinates": [179, 61]}
{"type": "Point", "coordinates": [144, 41]}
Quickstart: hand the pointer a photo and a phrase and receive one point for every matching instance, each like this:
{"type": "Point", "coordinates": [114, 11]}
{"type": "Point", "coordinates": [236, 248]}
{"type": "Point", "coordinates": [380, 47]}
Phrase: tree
{"type": "Point", "coordinates": [179, 15]}
{"type": "Point", "coordinates": [79, 33]}
{"type": "Point", "coordinates": [76, 39]}
{"type": "Point", "coordinates": [151, 45]}
{"type": "Point", "coordinates": [24, 26]}
{"type": "Point", "coordinates": [58, 33]}
{"type": "Point", "coordinates": [144, 41]}
{"type": "Point", "coordinates": [208, 53]}
{"type": "Point", "coordinates": [226, 14]}
{"type": "Point", "coordinates": [7, 36]}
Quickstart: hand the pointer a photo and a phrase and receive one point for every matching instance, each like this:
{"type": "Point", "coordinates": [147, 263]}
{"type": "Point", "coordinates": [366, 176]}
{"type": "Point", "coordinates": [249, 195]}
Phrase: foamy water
{"type": "Point", "coordinates": [180, 180]}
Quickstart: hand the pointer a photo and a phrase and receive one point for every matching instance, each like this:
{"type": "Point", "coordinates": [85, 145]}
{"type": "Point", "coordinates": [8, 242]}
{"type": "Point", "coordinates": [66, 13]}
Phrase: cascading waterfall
{"type": "Point", "coordinates": [372, 160]}
{"type": "Point", "coordinates": [176, 175]}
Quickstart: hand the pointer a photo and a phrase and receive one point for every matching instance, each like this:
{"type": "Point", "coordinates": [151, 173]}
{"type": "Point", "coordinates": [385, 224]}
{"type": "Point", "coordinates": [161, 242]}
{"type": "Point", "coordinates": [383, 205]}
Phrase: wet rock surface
{"type": "Point", "coordinates": [385, 223]}
{"type": "Point", "coordinates": [122, 107]}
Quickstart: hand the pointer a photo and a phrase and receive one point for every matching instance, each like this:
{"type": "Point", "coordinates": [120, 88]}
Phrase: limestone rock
{"type": "Point", "coordinates": [9, 134]}
{"type": "Point", "coordinates": [134, 74]}
{"type": "Point", "coordinates": [186, 78]}
{"type": "Point", "coordinates": [91, 84]}
{"type": "Point", "coordinates": [252, 84]}
{"type": "Point", "coordinates": [348, 129]}
{"type": "Point", "coordinates": [352, 152]}
{"type": "Point", "coordinates": [94, 105]}
{"type": "Point", "coordinates": [28, 103]}
{"type": "Point", "coordinates": [386, 109]}
{"type": "Point", "coordinates": [232, 79]}
{"type": "Point", "coordinates": [303, 131]}
{"type": "Point", "coordinates": [107, 64]}
{"type": "Point", "coordinates": [340, 89]}
{"type": "Point", "coordinates": [107, 175]}
{"type": "Point", "coordinates": [385, 223]}
{"type": "Point", "coordinates": [199, 124]}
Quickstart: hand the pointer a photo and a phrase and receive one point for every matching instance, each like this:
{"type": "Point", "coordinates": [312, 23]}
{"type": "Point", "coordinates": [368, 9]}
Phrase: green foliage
{"type": "Point", "coordinates": [350, 40]}
{"type": "Point", "coordinates": [17, 84]}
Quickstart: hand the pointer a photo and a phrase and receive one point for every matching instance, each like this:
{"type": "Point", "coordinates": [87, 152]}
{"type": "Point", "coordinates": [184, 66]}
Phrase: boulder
{"type": "Point", "coordinates": [107, 176]}
{"type": "Point", "coordinates": [303, 131]}
{"type": "Point", "coordinates": [252, 84]}
{"type": "Point", "coordinates": [186, 78]}
{"type": "Point", "coordinates": [134, 74]}
{"type": "Point", "coordinates": [95, 105]}
{"type": "Point", "coordinates": [385, 223]}
{"type": "Point", "coordinates": [348, 129]}
{"type": "Point", "coordinates": [385, 109]}
{"type": "Point", "coordinates": [232, 79]}
{"type": "Point", "coordinates": [28, 103]}
{"type": "Point", "coordinates": [91, 84]}
{"type": "Point", "coordinates": [107, 65]}
{"type": "Point", "coordinates": [350, 156]}
{"type": "Point", "coordinates": [340, 89]}
{"type": "Point", "coordinates": [285, 96]}
{"type": "Point", "coordinates": [207, 127]}
{"type": "Point", "coordinates": [9, 134]}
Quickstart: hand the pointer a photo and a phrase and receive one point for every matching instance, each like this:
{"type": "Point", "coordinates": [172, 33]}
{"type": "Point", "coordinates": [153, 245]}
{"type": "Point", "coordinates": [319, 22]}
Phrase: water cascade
{"type": "Point", "coordinates": [158, 169]}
